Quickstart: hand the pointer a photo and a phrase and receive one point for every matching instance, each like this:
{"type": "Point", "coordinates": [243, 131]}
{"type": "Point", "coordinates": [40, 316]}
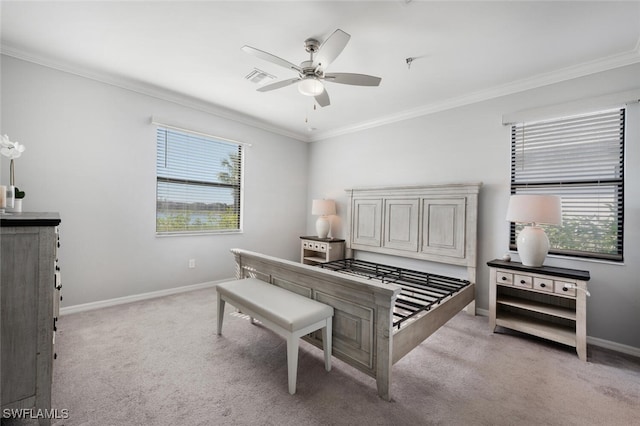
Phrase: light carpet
{"type": "Point", "coordinates": [160, 362]}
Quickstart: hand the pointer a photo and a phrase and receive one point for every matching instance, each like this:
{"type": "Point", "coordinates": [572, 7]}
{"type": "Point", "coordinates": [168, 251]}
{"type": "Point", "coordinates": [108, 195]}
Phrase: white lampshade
{"type": "Point", "coordinates": [532, 242]}
{"type": "Point", "coordinates": [323, 208]}
{"type": "Point", "coordinates": [310, 86]}
{"type": "Point", "coordinates": [535, 208]}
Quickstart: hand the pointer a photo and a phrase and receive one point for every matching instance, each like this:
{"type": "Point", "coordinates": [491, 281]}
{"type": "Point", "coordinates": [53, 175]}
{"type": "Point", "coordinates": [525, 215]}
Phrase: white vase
{"type": "Point", "coordinates": [17, 206]}
{"type": "Point", "coordinates": [10, 197]}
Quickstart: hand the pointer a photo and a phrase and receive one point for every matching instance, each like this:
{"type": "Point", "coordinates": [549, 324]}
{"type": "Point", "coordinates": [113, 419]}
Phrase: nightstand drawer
{"type": "Point", "coordinates": [562, 287]}
{"type": "Point", "coordinates": [313, 245]}
{"type": "Point", "coordinates": [543, 284]}
{"type": "Point", "coordinates": [524, 281]}
{"type": "Point", "coordinates": [504, 278]}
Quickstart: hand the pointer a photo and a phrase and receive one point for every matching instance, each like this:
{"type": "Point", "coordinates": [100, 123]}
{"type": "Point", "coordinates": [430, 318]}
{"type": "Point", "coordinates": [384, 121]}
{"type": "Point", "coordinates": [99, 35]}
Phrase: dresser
{"type": "Point", "coordinates": [547, 302]}
{"type": "Point", "coordinates": [29, 309]}
{"type": "Point", "coordinates": [314, 250]}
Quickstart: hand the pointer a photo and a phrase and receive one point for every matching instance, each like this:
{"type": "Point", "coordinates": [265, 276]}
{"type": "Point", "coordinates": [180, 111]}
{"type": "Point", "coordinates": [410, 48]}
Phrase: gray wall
{"type": "Point", "coordinates": [90, 154]}
{"type": "Point", "coordinates": [470, 144]}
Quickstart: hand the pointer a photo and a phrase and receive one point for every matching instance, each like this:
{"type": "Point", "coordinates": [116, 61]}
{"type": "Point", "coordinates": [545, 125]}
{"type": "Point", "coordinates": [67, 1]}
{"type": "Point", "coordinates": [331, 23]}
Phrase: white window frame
{"type": "Point", "coordinates": [566, 174]}
{"type": "Point", "coordinates": [185, 187]}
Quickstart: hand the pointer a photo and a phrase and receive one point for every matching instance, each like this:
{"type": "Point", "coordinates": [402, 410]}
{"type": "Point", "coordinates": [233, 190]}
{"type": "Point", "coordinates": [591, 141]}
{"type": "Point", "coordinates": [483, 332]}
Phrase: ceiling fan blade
{"type": "Point", "coordinates": [354, 79]}
{"type": "Point", "coordinates": [271, 58]}
{"type": "Point", "coordinates": [323, 98]}
{"type": "Point", "coordinates": [331, 48]}
{"type": "Point", "coordinates": [278, 85]}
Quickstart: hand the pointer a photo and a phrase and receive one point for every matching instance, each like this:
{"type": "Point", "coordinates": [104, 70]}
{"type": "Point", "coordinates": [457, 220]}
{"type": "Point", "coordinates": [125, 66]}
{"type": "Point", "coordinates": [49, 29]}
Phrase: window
{"type": "Point", "coordinates": [581, 159]}
{"type": "Point", "coordinates": [198, 184]}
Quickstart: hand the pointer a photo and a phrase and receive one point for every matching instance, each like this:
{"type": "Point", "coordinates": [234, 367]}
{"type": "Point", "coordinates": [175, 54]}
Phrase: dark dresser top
{"type": "Point", "coordinates": [324, 240]}
{"type": "Point", "coordinates": [576, 274]}
{"type": "Point", "coordinates": [30, 219]}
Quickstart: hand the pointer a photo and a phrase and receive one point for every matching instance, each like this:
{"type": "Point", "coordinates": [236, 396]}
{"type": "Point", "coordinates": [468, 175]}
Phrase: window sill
{"type": "Point", "coordinates": [578, 259]}
{"type": "Point", "coordinates": [196, 233]}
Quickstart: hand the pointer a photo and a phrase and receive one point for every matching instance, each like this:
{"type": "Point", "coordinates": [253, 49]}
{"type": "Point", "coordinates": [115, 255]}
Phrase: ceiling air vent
{"type": "Point", "coordinates": [259, 77]}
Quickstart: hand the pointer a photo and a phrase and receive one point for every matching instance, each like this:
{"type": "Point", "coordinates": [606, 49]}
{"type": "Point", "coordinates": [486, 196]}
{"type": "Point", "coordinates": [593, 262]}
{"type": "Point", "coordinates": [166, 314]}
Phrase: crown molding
{"type": "Point", "coordinates": [604, 64]}
{"type": "Point", "coordinates": [149, 90]}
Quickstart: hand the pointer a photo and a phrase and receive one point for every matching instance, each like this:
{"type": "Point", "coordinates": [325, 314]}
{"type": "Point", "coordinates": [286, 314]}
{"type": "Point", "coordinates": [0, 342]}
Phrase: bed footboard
{"type": "Point", "coordinates": [362, 322]}
{"type": "Point", "coordinates": [363, 334]}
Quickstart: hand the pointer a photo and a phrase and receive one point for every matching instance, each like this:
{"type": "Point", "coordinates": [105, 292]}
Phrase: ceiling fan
{"type": "Point", "coordinates": [311, 73]}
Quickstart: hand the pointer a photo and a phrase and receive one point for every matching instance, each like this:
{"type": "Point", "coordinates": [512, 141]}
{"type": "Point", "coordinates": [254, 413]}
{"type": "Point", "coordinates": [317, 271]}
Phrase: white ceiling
{"type": "Point", "coordinates": [191, 51]}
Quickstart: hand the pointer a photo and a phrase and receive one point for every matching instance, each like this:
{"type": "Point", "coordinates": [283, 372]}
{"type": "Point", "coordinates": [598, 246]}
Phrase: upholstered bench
{"type": "Point", "coordinates": [284, 312]}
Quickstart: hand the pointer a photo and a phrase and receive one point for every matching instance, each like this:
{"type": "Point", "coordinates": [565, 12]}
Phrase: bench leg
{"type": "Point", "coordinates": [326, 344]}
{"type": "Point", "coordinates": [292, 362]}
{"type": "Point", "coordinates": [220, 313]}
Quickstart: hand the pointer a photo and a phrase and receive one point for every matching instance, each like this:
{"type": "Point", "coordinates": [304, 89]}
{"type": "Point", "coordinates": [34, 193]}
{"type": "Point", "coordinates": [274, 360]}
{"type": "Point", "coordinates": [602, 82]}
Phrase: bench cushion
{"type": "Point", "coordinates": [289, 310]}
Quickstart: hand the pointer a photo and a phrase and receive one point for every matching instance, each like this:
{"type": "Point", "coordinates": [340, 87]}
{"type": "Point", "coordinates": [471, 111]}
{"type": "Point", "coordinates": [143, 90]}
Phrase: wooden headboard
{"type": "Point", "coordinates": [430, 222]}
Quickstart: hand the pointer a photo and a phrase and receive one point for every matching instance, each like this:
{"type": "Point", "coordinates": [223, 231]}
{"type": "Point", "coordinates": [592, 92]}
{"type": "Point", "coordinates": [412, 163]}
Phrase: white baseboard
{"type": "Point", "coordinates": [618, 347]}
{"type": "Point", "coordinates": [607, 344]}
{"type": "Point", "coordinates": [134, 298]}
{"type": "Point", "coordinates": [482, 312]}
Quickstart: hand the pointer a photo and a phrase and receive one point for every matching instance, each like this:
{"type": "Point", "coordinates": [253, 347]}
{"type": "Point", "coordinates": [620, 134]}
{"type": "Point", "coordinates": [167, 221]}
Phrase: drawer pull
{"type": "Point", "coordinates": [523, 282]}
{"type": "Point", "coordinates": [504, 278]}
{"type": "Point", "coordinates": [565, 289]}
{"type": "Point", "coordinates": [543, 285]}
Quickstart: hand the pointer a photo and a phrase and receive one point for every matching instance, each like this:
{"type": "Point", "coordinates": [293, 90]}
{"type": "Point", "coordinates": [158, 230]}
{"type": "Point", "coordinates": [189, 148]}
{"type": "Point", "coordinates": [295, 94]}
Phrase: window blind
{"type": "Point", "coordinates": [198, 184]}
{"type": "Point", "coordinates": [581, 159]}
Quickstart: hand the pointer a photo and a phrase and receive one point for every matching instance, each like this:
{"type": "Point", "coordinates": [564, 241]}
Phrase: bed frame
{"type": "Point", "coordinates": [434, 223]}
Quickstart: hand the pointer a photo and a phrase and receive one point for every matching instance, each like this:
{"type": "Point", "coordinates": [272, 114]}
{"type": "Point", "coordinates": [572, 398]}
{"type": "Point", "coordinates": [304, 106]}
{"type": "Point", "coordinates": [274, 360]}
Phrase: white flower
{"type": "Point", "coordinates": [11, 149]}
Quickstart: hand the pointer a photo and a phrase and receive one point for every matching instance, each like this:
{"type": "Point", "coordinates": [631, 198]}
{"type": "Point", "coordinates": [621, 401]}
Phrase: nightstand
{"type": "Point", "coordinates": [544, 301]}
{"type": "Point", "coordinates": [314, 250]}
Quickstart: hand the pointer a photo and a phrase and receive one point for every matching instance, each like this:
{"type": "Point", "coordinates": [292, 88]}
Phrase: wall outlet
{"type": "Point", "coordinates": [192, 263]}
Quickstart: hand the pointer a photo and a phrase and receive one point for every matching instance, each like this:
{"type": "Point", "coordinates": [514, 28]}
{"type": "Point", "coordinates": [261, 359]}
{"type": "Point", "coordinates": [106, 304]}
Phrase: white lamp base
{"type": "Point", "coordinates": [533, 246]}
{"type": "Point", "coordinates": [322, 226]}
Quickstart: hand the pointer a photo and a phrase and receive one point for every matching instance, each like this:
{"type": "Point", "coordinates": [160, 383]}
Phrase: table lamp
{"type": "Point", "coordinates": [534, 209]}
{"type": "Point", "coordinates": [323, 208]}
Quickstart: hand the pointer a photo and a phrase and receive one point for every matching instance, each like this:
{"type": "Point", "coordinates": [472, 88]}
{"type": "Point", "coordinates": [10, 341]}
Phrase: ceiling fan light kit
{"type": "Point", "coordinates": [310, 86]}
{"type": "Point", "coordinates": [311, 73]}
